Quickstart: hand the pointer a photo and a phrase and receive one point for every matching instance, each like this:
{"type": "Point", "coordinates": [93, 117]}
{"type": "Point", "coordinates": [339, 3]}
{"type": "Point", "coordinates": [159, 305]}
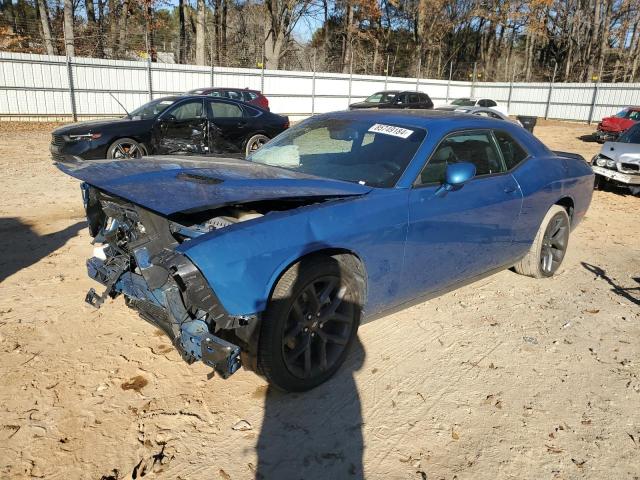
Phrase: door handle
{"type": "Point", "coordinates": [510, 189]}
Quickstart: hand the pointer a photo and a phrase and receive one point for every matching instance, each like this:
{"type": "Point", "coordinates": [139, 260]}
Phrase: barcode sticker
{"type": "Point", "coordinates": [391, 130]}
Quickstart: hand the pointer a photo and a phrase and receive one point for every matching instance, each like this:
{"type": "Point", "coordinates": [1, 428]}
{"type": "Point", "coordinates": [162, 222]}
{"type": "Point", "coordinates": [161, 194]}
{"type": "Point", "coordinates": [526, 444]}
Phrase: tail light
{"type": "Point", "coordinates": [264, 101]}
{"type": "Point", "coordinates": [286, 123]}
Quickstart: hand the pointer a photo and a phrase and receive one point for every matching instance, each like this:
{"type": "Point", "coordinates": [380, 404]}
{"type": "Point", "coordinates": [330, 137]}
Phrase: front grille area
{"type": "Point", "coordinates": [57, 157]}
{"type": "Point", "coordinates": [57, 140]}
{"type": "Point", "coordinates": [629, 167]}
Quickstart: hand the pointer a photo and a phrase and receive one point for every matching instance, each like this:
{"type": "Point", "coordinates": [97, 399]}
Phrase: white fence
{"type": "Point", "coordinates": [41, 87]}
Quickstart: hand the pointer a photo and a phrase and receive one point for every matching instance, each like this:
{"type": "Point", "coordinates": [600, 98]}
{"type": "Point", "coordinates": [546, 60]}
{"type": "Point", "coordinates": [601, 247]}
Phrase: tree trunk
{"type": "Point", "coordinates": [100, 30]}
{"type": "Point", "coordinates": [223, 32]}
{"type": "Point", "coordinates": [216, 29]}
{"type": "Point", "coordinates": [122, 27]}
{"type": "Point", "coordinates": [91, 13]}
{"type": "Point", "coordinates": [46, 27]}
{"type": "Point", "coordinates": [348, 36]}
{"type": "Point", "coordinates": [183, 33]}
{"type": "Point", "coordinates": [200, 26]}
{"type": "Point", "coordinates": [69, 41]}
{"type": "Point", "coordinates": [149, 31]}
{"type": "Point", "coordinates": [113, 29]}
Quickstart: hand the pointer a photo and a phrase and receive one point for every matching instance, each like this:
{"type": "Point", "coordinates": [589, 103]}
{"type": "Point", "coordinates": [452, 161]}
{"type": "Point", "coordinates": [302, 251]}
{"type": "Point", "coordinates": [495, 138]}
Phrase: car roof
{"type": "Point", "coordinates": [212, 89]}
{"type": "Point", "coordinates": [215, 99]}
{"type": "Point", "coordinates": [419, 118]}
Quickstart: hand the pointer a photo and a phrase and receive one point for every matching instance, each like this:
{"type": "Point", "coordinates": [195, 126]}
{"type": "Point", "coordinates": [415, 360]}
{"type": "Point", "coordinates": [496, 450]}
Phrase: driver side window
{"type": "Point", "coordinates": [474, 147]}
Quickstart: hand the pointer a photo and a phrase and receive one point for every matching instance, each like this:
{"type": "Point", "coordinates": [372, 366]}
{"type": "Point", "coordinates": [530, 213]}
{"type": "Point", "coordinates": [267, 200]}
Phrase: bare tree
{"type": "Point", "coordinates": [46, 27]}
{"type": "Point", "coordinates": [281, 18]}
{"type": "Point", "coordinates": [200, 30]}
{"type": "Point", "coordinates": [122, 28]}
{"type": "Point", "coordinates": [69, 40]}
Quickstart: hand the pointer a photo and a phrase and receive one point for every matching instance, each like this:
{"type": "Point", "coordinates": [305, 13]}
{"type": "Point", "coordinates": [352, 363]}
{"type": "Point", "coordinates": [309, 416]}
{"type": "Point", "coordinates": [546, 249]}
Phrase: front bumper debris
{"type": "Point", "coordinates": [602, 136]}
{"type": "Point", "coordinates": [628, 179]}
{"type": "Point", "coordinates": [178, 307]}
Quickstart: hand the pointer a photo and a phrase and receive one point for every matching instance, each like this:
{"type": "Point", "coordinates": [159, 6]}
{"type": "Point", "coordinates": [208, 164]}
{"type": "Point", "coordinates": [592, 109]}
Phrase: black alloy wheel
{"type": "Point", "coordinates": [554, 244]}
{"type": "Point", "coordinates": [310, 323]}
{"type": "Point", "coordinates": [125, 149]}
{"type": "Point", "coordinates": [255, 143]}
{"type": "Point", "coordinates": [318, 328]}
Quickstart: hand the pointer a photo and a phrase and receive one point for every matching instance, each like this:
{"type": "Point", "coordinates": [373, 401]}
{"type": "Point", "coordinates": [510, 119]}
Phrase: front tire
{"type": "Point", "coordinates": [549, 247]}
{"type": "Point", "coordinates": [310, 323]}
{"type": "Point", "coordinates": [125, 148]}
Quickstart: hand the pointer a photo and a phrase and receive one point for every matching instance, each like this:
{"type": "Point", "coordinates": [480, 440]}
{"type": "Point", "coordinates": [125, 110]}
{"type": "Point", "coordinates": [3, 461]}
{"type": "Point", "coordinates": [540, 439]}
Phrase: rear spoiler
{"type": "Point", "coordinates": [575, 156]}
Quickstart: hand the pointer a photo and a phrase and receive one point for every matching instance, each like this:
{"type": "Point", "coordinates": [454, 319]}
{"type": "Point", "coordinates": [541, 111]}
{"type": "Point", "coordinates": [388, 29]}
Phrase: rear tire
{"type": "Point", "coordinates": [549, 247]}
{"type": "Point", "coordinates": [310, 323]}
{"type": "Point", "coordinates": [254, 143]}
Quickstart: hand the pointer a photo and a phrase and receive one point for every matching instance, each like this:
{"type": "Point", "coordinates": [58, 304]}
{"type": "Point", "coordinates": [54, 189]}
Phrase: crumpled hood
{"type": "Point", "coordinates": [169, 185]}
{"type": "Point", "coordinates": [621, 152]}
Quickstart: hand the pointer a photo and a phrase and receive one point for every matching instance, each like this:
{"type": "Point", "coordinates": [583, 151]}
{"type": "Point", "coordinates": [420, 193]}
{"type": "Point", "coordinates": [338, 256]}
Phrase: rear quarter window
{"type": "Point", "coordinates": [512, 152]}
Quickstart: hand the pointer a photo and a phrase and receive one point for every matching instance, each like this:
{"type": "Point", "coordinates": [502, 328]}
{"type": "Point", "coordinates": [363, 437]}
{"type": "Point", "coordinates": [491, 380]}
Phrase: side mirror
{"type": "Point", "coordinates": [456, 176]}
{"type": "Point", "coordinates": [170, 118]}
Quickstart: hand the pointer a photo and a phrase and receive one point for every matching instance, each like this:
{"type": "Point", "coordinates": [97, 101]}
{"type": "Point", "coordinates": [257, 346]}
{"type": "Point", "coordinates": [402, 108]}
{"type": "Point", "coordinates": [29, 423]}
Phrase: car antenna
{"type": "Point", "coordinates": [114, 97]}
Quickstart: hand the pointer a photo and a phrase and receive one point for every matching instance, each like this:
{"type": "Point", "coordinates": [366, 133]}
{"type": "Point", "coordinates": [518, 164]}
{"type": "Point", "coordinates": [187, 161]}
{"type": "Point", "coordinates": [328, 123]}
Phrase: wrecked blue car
{"type": "Point", "coordinates": [273, 262]}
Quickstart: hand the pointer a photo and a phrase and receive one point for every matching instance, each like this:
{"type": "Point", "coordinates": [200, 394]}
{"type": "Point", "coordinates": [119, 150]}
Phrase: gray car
{"type": "Point", "coordinates": [619, 162]}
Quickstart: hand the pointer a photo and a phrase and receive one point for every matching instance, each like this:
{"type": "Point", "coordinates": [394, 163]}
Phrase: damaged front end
{"type": "Point", "coordinates": [135, 256]}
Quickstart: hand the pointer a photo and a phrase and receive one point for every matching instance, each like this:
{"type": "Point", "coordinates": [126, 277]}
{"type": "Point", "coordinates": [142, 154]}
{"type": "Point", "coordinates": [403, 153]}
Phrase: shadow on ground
{"type": "Point", "coordinates": [21, 247]}
{"type": "Point", "coordinates": [317, 434]}
{"type": "Point", "coordinates": [587, 138]}
{"type": "Point", "coordinates": [632, 293]}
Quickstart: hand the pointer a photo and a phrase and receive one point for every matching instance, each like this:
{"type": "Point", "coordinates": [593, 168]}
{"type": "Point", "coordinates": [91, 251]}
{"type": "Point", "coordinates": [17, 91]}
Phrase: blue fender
{"type": "Point", "coordinates": [243, 262]}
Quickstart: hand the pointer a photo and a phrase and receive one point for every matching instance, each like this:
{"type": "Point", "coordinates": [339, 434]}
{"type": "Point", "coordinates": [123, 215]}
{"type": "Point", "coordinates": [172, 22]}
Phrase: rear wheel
{"type": "Point", "coordinates": [549, 247]}
{"type": "Point", "coordinates": [310, 324]}
{"type": "Point", "coordinates": [255, 143]}
{"type": "Point", "coordinates": [125, 148]}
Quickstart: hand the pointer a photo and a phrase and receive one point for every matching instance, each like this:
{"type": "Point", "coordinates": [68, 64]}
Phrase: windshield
{"type": "Point", "coordinates": [359, 151]}
{"type": "Point", "coordinates": [622, 113]}
{"type": "Point", "coordinates": [464, 102]}
{"type": "Point", "coordinates": [151, 109]}
{"type": "Point", "coordinates": [381, 97]}
{"type": "Point", "coordinates": [632, 135]}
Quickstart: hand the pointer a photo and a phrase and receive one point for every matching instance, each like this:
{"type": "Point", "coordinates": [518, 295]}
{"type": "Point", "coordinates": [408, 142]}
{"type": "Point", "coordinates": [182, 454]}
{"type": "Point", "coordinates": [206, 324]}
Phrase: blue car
{"type": "Point", "coordinates": [273, 262]}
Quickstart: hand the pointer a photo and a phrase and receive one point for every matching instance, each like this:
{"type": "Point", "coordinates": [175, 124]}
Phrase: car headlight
{"type": "Point", "coordinates": [611, 164]}
{"type": "Point", "coordinates": [85, 136]}
{"type": "Point", "coordinates": [601, 162]}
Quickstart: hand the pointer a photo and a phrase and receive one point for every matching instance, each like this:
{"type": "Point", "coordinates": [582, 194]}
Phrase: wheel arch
{"type": "Point", "coordinates": [347, 257]}
{"type": "Point", "coordinates": [568, 204]}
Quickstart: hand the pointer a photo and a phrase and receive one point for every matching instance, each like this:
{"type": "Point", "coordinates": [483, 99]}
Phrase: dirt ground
{"type": "Point", "coordinates": [508, 378]}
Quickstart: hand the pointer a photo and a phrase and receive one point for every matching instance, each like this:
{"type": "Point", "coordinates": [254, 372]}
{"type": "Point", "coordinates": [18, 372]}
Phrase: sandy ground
{"type": "Point", "coordinates": [507, 378]}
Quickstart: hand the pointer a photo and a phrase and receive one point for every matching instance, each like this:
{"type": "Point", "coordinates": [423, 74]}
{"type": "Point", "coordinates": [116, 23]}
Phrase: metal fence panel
{"type": "Point", "coordinates": [36, 87]}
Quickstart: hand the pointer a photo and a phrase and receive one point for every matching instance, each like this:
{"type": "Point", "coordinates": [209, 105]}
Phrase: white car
{"type": "Point", "coordinates": [474, 102]}
{"type": "Point", "coordinates": [619, 161]}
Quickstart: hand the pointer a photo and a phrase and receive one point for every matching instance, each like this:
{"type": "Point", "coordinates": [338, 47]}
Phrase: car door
{"type": "Point", "coordinates": [229, 126]}
{"type": "Point", "coordinates": [182, 129]}
{"type": "Point", "coordinates": [463, 233]}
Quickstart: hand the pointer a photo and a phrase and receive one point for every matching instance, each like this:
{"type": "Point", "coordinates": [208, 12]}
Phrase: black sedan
{"type": "Point", "coordinates": [395, 99]}
{"type": "Point", "coordinates": [171, 125]}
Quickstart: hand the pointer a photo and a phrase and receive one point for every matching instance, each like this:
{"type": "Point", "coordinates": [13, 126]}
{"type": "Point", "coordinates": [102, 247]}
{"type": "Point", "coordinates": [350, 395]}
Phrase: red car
{"type": "Point", "coordinates": [611, 127]}
{"type": "Point", "coordinates": [254, 97]}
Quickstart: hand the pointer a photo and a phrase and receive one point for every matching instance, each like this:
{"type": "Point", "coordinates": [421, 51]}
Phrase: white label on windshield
{"type": "Point", "coordinates": [391, 130]}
